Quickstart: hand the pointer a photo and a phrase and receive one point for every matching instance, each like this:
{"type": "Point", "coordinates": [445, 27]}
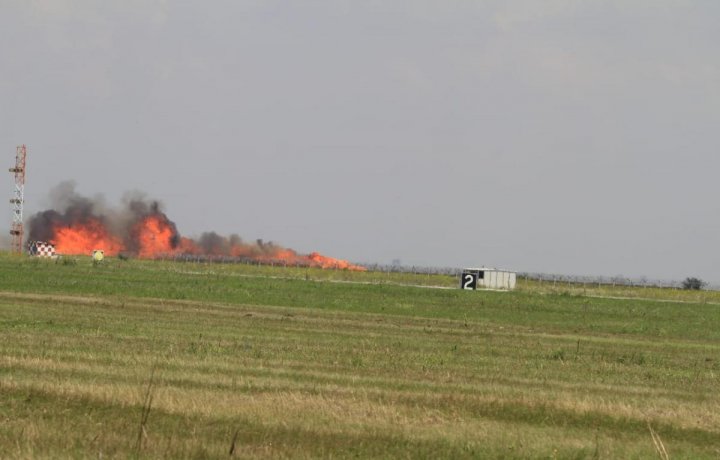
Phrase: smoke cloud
{"type": "Point", "coordinates": [139, 227]}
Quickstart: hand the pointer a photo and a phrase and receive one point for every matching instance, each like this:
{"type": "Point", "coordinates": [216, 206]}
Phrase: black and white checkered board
{"type": "Point", "coordinates": [42, 249]}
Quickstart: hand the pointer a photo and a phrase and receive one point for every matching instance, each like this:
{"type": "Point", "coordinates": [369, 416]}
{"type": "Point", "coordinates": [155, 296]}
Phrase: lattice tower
{"type": "Point", "coordinates": [17, 230]}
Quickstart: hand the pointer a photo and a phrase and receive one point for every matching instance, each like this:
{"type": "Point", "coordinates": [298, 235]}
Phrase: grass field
{"type": "Point", "coordinates": [146, 359]}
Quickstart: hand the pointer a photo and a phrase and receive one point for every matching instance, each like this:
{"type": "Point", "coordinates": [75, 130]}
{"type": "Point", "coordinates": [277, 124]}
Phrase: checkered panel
{"type": "Point", "coordinates": [42, 249]}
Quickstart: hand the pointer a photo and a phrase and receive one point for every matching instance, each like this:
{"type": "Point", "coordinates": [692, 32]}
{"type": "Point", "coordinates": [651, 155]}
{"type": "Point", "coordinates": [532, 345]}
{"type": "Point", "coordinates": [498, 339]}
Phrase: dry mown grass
{"type": "Point", "coordinates": [286, 382]}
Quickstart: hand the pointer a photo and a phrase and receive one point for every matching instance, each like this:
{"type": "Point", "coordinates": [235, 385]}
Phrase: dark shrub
{"type": "Point", "coordinates": [693, 284]}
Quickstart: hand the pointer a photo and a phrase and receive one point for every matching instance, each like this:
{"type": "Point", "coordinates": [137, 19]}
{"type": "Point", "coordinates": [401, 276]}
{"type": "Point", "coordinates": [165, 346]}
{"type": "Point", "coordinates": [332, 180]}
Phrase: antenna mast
{"type": "Point", "coordinates": [17, 230]}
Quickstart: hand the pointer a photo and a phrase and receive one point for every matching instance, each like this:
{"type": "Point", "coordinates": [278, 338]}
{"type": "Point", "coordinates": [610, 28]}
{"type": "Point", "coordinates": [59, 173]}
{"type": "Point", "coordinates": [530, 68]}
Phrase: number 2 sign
{"type": "Point", "coordinates": [469, 279]}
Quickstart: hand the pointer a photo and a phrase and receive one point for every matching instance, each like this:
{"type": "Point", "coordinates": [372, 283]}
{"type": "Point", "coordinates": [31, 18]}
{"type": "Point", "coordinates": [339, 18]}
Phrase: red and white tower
{"type": "Point", "coordinates": [18, 199]}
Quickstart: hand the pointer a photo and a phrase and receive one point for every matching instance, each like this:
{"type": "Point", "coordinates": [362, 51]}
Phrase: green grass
{"type": "Point", "coordinates": [607, 290]}
{"type": "Point", "coordinates": [277, 362]}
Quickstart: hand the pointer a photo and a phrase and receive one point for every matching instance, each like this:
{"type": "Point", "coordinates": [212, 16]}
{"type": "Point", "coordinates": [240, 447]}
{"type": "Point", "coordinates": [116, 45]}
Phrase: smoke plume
{"type": "Point", "coordinates": [78, 225]}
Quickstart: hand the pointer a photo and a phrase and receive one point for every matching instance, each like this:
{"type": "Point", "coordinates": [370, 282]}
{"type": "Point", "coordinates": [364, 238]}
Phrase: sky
{"type": "Point", "coordinates": [556, 136]}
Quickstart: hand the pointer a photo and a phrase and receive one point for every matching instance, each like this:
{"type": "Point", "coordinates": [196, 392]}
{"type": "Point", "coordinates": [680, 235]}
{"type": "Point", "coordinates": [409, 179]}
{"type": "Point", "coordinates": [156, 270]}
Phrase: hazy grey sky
{"type": "Point", "coordinates": [578, 137]}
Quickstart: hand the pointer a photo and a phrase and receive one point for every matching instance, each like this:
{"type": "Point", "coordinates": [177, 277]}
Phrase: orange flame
{"type": "Point", "coordinates": [322, 261]}
{"type": "Point", "coordinates": [85, 237]}
{"type": "Point", "coordinates": [188, 246]}
{"type": "Point", "coordinates": [155, 236]}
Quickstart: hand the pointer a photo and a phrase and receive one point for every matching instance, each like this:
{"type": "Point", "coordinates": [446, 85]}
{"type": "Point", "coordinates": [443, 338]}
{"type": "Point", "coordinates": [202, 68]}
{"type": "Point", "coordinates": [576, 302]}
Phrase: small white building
{"type": "Point", "coordinates": [487, 278]}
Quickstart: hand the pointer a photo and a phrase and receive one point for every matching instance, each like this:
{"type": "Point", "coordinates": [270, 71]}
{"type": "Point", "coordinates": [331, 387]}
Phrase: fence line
{"type": "Point", "coordinates": [550, 278]}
